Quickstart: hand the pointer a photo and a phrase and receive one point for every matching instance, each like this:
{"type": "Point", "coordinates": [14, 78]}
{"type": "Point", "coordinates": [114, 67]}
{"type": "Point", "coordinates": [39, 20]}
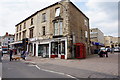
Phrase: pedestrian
{"type": "Point", "coordinates": [101, 53]}
{"type": "Point", "coordinates": [112, 50]}
{"type": "Point", "coordinates": [23, 55]}
{"type": "Point", "coordinates": [106, 52]}
{"type": "Point", "coordinates": [11, 53]}
{"type": "Point", "coordinates": [0, 56]}
{"type": "Point", "coordinates": [15, 52]}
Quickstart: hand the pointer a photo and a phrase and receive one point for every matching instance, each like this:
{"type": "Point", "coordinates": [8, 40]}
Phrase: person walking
{"type": "Point", "coordinates": [11, 54]}
{"type": "Point", "coordinates": [0, 56]}
{"type": "Point", "coordinates": [23, 55]}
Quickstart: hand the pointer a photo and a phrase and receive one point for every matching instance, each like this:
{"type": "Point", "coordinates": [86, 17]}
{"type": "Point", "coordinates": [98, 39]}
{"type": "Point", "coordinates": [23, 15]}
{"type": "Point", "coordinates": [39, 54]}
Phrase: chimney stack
{"type": "Point", "coordinates": [6, 33]}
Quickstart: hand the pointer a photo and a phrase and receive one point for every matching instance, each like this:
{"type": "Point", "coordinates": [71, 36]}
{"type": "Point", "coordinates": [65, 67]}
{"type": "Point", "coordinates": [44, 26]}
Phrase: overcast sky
{"type": "Point", "coordinates": [102, 15]}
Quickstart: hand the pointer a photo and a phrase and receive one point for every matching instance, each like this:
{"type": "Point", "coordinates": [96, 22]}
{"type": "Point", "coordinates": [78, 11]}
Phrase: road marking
{"type": "Point", "coordinates": [56, 72]}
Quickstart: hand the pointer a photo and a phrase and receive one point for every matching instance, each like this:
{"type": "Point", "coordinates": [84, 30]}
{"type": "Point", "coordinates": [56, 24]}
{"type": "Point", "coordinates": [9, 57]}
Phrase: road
{"type": "Point", "coordinates": [17, 69]}
{"type": "Point", "coordinates": [24, 69]}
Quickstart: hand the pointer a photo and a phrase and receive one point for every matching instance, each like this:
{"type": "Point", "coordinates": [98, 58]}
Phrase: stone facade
{"type": "Point", "coordinates": [110, 40]}
{"type": "Point", "coordinates": [44, 29]}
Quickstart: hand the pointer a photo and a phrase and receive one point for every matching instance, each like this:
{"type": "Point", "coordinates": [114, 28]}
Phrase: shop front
{"type": "Point", "coordinates": [43, 50]}
{"type": "Point", "coordinates": [58, 49]}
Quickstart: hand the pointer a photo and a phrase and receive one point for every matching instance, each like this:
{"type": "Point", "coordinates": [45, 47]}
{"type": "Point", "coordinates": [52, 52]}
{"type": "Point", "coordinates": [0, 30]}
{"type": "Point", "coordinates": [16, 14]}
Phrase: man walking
{"type": "Point", "coordinates": [0, 56]}
{"type": "Point", "coordinates": [11, 53]}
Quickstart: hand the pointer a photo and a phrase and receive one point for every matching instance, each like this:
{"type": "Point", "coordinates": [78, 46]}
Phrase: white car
{"type": "Point", "coordinates": [116, 49]}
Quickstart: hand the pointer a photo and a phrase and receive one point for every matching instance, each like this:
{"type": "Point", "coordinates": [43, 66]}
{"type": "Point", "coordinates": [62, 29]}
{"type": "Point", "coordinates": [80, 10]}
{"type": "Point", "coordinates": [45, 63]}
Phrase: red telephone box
{"type": "Point", "coordinates": [80, 50]}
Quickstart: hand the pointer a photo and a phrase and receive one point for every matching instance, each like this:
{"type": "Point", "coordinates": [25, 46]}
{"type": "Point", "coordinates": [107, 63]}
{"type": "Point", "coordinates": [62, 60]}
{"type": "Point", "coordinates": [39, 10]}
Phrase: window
{"type": "Point", "coordinates": [24, 25]}
{"type": "Point", "coordinates": [85, 22]}
{"type": "Point", "coordinates": [81, 34]}
{"type": "Point", "coordinates": [43, 30]}
{"type": "Point", "coordinates": [19, 36]}
{"type": "Point", "coordinates": [43, 17]}
{"type": "Point", "coordinates": [86, 34]}
{"type": "Point", "coordinates": [20, 27]}
{"type": "Point", "coordinates": [8, 38]}
{"type": "Point", "coordinates": [16, 37]}
{"type": "Point", "coordinates": [58, 28]}
{"type": "Point", "coordinates": [24, 34]}
{"type": "Point", "coordinates": [61, 27]}
{"type": "Point", "coordinates": [31, 21]}
{"type": "Point", "coordinates": [57, 12]}
{"type": "Point", "coordinates": [8, 41]}
{"type": "Point", "coordinates": [31, 33]}
{"type": "Point", "coordinates": [17, 29]}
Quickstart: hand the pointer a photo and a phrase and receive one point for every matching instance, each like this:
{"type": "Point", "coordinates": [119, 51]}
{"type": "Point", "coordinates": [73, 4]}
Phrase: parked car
{"type": "Point", "coordinates": [103, 49]}
{"type": "Point", "coordinates": [108, 49]}
{"type": "Point", "coordinates": [116, 49]}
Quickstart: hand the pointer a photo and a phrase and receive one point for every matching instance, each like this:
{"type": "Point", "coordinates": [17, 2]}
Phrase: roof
{"type": "Point", "coordinates": [49, 7]}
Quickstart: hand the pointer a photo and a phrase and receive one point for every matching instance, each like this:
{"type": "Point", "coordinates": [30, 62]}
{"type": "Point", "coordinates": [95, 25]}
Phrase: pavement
{"type": "Point", "coordinates": [92, 66]}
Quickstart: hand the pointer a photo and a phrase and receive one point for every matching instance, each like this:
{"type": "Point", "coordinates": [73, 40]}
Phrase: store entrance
{"type": "Point", "coordinates": [58, 48]}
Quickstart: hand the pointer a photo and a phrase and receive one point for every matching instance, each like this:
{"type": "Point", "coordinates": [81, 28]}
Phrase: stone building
{"type": "Point", "coordinates": [54, 30]}
{"type": "Point", "coordinates": [111, 41]}
{"type": "Point", "coordinates": [5, 42]}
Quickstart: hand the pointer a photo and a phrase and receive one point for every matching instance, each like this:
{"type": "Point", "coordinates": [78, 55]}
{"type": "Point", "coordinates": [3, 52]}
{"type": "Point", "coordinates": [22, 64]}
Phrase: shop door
{"type": "Point", "coordinates": [54, 49]}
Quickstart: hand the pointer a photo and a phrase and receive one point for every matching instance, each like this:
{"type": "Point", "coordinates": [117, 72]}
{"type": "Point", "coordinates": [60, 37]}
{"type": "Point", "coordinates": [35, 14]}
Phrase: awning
{"type": "Point", "coordinates": [97, 43]}
{"type": "Point", "coordinates": [18, 42]}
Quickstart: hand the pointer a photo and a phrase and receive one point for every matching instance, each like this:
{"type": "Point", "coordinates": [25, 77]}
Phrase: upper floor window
{"type": "Point", "coordinates": [85, 22]}
{"type": "Point", "coordinates": [57, 12]}
{"type": "Point", "coordinates": [24, 34]}
{"type": "Point", "coordinates": [16, 37]}
{"type": "Point", "coordinates": [58, 28]}
{"type": "Point", "coordinates": [19, 36]}
{"type": "Point", "coordinates": [43, 30]}
{"type": "Point", "coordinates": [31, 33]}
{"type": "Point", "coordinates": [20, 27]}
{"type": "Point", "coordinates": [24, 25]}
{"type": "Point", "coordinates": [31, 21]}
{"type": "Point", "coordinates": [43, 17]}
{"type": "Point", "coordinates": [17, 29]}
{"type": "Point", "coordinates": [86, 34]}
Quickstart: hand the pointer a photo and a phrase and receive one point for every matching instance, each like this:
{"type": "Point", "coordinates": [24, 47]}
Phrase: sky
{"type": "Point", "coordinates": [103, 14]}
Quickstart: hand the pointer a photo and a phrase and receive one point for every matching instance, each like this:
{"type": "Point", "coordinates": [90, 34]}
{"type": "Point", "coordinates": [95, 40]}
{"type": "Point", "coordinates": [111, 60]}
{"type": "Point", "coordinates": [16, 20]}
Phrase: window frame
{"type": "Point", "coordinates": [57, 11]}
{"type": "Point", "coordinates": [58, 30]}
{"type": "Point", "coordinates": [44, 17]}
{"type": "Point", "coordinates": [31, 23]}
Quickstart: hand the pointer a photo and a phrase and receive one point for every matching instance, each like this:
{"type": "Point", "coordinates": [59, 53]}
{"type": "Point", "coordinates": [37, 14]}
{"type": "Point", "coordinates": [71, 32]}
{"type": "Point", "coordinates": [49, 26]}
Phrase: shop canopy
{"type": "Point", "coordinates": [18, 42]}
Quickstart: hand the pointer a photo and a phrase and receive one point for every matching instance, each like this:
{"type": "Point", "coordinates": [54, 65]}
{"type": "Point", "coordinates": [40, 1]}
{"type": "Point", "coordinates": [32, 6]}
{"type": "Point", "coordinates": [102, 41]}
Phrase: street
{"type": "Point", "coordinates": [51, 68]}
{"type": "Point", "coordinates": [17, 69]}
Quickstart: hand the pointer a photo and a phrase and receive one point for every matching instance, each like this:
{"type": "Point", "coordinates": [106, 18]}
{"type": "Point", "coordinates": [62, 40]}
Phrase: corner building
{"type": "Point", "coordinates": [54, 30]}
